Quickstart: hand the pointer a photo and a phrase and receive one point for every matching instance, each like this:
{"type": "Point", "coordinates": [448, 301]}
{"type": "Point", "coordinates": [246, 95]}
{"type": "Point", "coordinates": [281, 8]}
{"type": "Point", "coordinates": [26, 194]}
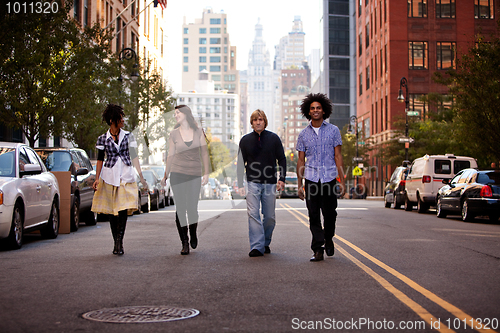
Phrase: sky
{"type": "Point", "coordinates": [276, 17]}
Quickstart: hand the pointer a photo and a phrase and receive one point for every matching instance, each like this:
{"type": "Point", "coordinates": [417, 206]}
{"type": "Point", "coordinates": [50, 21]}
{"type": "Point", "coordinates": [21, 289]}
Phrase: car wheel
{"type": "Point", "coordinates": [421, 207]}
{"type": "Point", "coordinates": [466, 215]}
{"type": "Point", "coordinates": [440, 212]}
{"type": "Point", "coordinates": [386, 204]}
{"type": "Point", "coordinates": [52, 228]}
{"type": "Point", "coordinates": [397, 204]}
{"type": "Point", "coordinates": [145, 207]}
{"type": "Point", "coordinates": [90, 218]}
{"type": "Point", "coordinates": [408, 206]}
{"type": "Point", "coordinates": [162, 202]}
{"type": "Point", "coordinates": [15, 238]}
{"type": "Point", "coordinates": [155, 205]}
{"type": "Point", "coordinates": [75, 215]}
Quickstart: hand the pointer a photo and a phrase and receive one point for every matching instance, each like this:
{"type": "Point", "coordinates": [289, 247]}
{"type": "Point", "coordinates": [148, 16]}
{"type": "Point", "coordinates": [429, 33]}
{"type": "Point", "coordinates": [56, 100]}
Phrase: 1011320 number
{"type": "Point", "coordinates": [32, 7]}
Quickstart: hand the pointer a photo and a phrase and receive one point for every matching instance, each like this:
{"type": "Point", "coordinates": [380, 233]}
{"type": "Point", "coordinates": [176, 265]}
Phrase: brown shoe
{"type": "Point", "coordinates": [318, 256]}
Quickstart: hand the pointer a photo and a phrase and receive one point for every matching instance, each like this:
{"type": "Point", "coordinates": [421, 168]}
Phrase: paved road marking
{"type": "Point", "coordinates": [433, 297]}
{"type": "Point", "coordinates": [470, 232]}
{"type": "Point", "coordinates": [222, 210]}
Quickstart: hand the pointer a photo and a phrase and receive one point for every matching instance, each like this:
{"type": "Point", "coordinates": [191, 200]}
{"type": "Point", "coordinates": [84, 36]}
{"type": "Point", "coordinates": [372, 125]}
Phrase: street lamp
{"type": "Point", "coordinates": [127, 54]}
{"type": "Point", "coordinates": [404, 84]}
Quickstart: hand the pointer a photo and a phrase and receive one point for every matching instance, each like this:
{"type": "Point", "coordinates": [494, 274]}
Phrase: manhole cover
{"type": "Point", "coordinates": [140, 314]}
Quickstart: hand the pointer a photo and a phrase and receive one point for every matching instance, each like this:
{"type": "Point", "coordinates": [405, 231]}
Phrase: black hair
{"type": "Point", "coordinates": [322, 99]}
{"type": "Point", "coordinates": [113, 114]}
{"type": "Point", "coordinates": [189, 116]}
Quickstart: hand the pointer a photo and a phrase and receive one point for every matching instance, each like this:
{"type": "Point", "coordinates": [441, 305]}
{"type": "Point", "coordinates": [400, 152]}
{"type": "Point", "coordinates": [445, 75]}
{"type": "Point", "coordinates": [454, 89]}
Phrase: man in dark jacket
{"type": "Point", "coordinates": [258, 153]}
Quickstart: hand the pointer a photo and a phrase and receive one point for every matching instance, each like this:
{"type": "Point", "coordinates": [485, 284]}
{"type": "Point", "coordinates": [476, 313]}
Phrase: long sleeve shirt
{"type": "Point", "coordinates": [261, 155]}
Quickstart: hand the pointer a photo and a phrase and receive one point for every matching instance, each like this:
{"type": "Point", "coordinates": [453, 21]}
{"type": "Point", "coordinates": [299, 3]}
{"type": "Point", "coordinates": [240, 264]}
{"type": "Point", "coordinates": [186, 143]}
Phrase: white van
{"type": "Point", "coordinates": [426, 177]}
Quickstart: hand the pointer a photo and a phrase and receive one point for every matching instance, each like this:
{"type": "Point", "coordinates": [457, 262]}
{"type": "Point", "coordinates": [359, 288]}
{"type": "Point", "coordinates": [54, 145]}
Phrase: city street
{"type": "Point", "coordinates": [392, 270]}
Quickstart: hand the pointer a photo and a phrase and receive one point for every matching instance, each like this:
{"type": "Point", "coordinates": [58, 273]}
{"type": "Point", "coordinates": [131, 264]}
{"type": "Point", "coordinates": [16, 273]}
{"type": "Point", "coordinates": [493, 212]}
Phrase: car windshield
{"type": "Point", "coordinates": [159, 170]}
{"type": "Point", "coordinates": [149, 177]}
{"type": "Point", "coordinates": [56, 160]}
{"type": "Point", "coordinates": [7, 162]}
{"type": "Point", "coordinates": [489, 178]}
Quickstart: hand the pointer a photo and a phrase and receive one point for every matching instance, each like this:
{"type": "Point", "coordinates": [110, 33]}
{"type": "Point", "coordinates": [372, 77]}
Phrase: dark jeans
{"type": "Point", "coordinates": [321, 198]}
{"type": "Point", "coordinates": [186, 193]}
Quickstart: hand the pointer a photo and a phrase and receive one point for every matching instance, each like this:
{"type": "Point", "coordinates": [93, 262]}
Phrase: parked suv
{"type": "Point", "coordinates": [395, 189]}
{"type": "Point", "coordinates": [82, 177]}
{"type": "Point", "coordinates": [426, 176]}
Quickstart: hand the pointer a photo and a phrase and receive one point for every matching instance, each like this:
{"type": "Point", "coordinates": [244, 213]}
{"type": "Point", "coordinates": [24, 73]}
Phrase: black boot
{"type": "Point", "coordinates": [192, 234]}
{"type": "Point", "coordinates": [183, 235]}
{"type": "Point", "coordinates": [122, 224]}
{"type": "Point", "coordinates": [113, 223]}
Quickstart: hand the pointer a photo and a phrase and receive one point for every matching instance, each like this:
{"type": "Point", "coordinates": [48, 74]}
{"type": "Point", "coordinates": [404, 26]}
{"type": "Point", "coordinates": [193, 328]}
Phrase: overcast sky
{"type": "Point", "coordinates": [276, 17]}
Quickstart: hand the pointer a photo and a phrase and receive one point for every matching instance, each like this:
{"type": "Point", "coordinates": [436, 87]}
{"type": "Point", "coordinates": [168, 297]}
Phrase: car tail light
{"type": "Point", "coordinates": [402, 183]}
{"type": "Point", "coordinates": [1, 198]}
{"type": "Point", "coordinates": [426, 179]}
{"type": "Point", "coordinates": [486, 192]}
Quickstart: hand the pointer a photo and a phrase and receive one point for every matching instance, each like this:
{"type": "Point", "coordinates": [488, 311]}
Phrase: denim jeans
{"type": "Point", "coordinates": [260, 230]}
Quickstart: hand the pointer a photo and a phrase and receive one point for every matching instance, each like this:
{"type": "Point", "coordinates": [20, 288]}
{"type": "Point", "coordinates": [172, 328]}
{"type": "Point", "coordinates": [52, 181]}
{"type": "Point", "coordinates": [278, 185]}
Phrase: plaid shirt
{"type": "Point", "coordinates": [105, 142]}
{"type": "Point", "coordinates": [320, 152]}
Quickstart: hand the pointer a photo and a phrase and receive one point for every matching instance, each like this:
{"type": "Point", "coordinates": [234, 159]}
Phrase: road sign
{"type": "Point", "coordinates": [404, 139]}
{"type": "Point", "coordinates": [357, 159]}
{"type": "Point", "coordinates": [361, 142]}
{"type": "Point", "coordinates": [413, 113]}
{"type": "Point", "coordinates": [357, 172]}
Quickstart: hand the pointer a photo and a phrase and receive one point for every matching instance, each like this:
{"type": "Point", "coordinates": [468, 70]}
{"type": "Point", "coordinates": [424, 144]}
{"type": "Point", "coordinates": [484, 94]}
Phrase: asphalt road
{"type": "Point", "coordinates": [391, 269]}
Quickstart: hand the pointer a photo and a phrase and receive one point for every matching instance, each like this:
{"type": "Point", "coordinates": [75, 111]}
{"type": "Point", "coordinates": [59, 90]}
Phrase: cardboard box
{"type": "Point", "coordinates": [64, 180]}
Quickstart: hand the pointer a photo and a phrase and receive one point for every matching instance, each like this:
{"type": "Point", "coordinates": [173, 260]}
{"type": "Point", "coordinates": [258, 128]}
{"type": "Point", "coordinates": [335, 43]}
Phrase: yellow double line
{"type": "Point", "coordinates": [417, 308]}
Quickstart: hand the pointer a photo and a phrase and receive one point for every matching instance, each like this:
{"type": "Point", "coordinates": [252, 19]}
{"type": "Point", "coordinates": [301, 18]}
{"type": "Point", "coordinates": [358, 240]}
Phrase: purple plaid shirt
{"type": "Point", "coordinates": [320, 151]}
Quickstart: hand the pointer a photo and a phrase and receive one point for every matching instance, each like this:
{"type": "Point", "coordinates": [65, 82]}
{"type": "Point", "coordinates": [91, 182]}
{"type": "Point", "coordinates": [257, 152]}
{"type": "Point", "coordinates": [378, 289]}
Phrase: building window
{"type": "Point", "coordinates": [367, 77]}
{"type": "Point", "coordinates": [185, 59]}
{"type": "Point", "coordinates": [360, 42]}
{"type": "Point", "coordinates": [417, 55]}
{"type": "Point", "coordinates": [186, 41]}
{"type": "Point", "coordinates": [203, 40]}
{"type": "Point", "coordinates": [215, 40]}
{"type": "Point", "coordinates": [367, 33]}
{"type": "Point", "coordinates": [367, 127]}
{"type": "Point", "coordinates": [185, 69]}
{"type": "Point", "coordinates": [360, 7]}
{"type": "Point", "coordinates": [186, 31]}
{"type": "Point", "coordinates": [202, 68]}
{"type": "Point", "coordinates": [203, 59]}
{"type": "Point", "coordinates": [215, 30]}
{"type": "Point", "coordinates": [417, 8]}
{"type": "Point", "coordinates": [445, 8]}
{"type": "Point", "coordinates": [215, 50]}
{"type": "Point", "coordinates": [215, 21]}
{"type": "Point", "coordinates": [445, 54]}
{"type": "Point", "coordinates": [203, 49]}
{"type": "Point", "coordinates": [215, 68]}
{"type": "Point", "coordinates": [216, 78]}
{"type": "Point", "coordinates": [203, 30]}
{"type": "Point", "coordinates": [360, 84]}
{"type": "Point", "coordinates": [417, 103]}
{"type": "Point", "coordinates": [186, 50]}
{"type": "Point", "coordinates": [214, 59]}
{"type": "Point", "coordinates": [483, 9]}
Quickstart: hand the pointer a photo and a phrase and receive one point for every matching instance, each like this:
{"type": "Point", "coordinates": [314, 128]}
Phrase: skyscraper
{"type": "Point", "coordinates": [206, 46]}
{"type": "Point", "coordinates": [290, 51]}
{"type": "Point", "coordinates": [260, 78]}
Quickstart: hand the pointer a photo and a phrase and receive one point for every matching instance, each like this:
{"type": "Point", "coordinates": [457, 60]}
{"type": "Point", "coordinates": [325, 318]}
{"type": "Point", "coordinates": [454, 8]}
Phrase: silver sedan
{"type": "Point", "coordinates": [29, 195]}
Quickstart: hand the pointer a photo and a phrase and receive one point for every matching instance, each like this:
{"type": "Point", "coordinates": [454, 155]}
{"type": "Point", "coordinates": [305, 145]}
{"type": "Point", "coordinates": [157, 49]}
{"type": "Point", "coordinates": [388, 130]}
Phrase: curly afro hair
{"type": "Point", "coordinates": [321, 99]}
{"type": "Point", "coordinates": [112, 114]}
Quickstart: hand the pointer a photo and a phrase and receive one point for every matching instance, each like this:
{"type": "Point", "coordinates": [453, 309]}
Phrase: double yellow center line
{"type": "Point", "coordinates": [417, 308]}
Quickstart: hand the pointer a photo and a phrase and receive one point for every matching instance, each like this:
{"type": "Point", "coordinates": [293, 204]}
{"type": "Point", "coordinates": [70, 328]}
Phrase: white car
{"type": "Point", "coordinates": [225, 193]}
{"type": "Point", "coordinates": [29, 195]}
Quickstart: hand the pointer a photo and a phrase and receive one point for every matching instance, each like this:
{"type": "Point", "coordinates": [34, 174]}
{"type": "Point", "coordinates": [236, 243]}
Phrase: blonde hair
{"type": "Point", "coordinates": [256, 114]}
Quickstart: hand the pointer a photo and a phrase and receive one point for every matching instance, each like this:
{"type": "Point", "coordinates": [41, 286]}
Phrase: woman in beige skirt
{"type": "Point", "coordinates": [115, 185]}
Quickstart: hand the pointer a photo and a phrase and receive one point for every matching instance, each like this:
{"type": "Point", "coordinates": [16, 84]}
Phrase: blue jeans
{"type": "Point", "coordinates": [260, 230]}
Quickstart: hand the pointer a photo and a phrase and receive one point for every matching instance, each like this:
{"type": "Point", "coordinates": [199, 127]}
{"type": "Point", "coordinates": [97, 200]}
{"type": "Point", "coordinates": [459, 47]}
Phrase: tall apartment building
{"type": "Point", "coordinates": [260, 78]}
{"type": "Point", "coordinates": [411, 39]}
{"type": "Point", "coordinates": [206, 46]}
{"type": "Point", "coordinates": [290, 52]}
{"type": "Point", "coordinates": [338, 62]}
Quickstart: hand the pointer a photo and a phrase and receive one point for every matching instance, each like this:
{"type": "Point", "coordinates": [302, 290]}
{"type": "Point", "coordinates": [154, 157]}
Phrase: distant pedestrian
{"type": "Point", "coordinates": [258, 153]}
{"type": "Point", "coordinates": [115, 185]}
{"type": "Point", "coordinates": [188, 168]}
{"type": "Point", "coordinates": [320, 163]}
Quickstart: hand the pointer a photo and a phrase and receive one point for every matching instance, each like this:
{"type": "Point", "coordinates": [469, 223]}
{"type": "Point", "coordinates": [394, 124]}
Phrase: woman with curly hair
{"type": "Point", "coordinates": [115, 185]}
{"type": "Point", "coordinates": [320, 163]}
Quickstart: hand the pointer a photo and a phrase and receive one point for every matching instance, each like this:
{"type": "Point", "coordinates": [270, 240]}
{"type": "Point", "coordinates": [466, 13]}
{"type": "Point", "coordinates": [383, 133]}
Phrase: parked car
{"type": "Point", "coordinates": [160, 170]}
{"type": "Point", "coordinates": [205, 191]}
{"type": "Point", "coordinates": [156, 190]}
{"type": "Point", "coordinates": [142, 196]}
{"type": "Point", "coordinates": [83, 176]}
{"type": "Point", "coordinates": [291, 190]}
{"type": "Point", "coordinates": [394, 192]}
{"type": "Point", "coordinates": [471, 193]}
{"type": "Point", "coordinates": [225, 193]}
{"type": "Point", "coordinates": [215, 189]}
{"type": "Point", "coordinates": [29, 195]}
{"type": "Point", "coordinates": [426, 177]}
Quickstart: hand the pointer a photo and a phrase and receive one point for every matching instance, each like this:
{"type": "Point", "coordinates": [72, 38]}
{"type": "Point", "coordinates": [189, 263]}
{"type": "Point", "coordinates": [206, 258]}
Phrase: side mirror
{"type": "Point", "coordinates": [31, 169]}
{"type": "Point", "coordinates": [446, 181]}
{"type": "Point", "coordinates": [82, 171]}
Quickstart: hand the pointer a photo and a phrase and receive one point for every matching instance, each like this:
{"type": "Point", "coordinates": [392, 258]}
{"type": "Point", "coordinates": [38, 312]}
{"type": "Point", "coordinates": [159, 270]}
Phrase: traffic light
{"type": "Point", "coordinates": [291, 156]}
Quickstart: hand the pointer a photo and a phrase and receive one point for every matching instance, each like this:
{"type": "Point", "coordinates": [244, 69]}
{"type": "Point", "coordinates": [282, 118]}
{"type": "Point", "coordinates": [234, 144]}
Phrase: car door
{"type": "Point", "coordinates": [85, 181]}
{"type": "Point", "coordinates": [446, 192]}
{"type": "Point", "coordinates": [45, 183]}
{"type": "Point", "coordinates": [457, 190]}
{"type": "Point", "coordinates": [28, 186]}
